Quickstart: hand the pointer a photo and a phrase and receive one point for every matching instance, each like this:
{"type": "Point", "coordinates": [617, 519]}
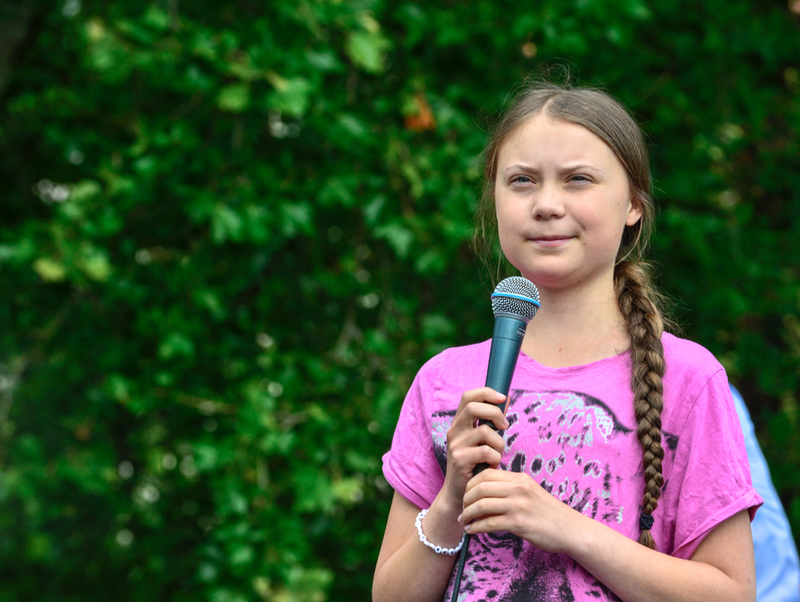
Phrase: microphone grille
{"type": "Point", "coordinates": [516, 295]}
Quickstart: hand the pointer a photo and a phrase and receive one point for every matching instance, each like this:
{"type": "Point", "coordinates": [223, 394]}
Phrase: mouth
{"type": "Point", "coordinates": [550, 241]}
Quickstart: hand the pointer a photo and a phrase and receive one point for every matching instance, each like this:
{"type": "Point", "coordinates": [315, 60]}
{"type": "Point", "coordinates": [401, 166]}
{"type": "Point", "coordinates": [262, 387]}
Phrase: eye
{"type": "Point", "coordinates": [579, 179]}
{"type": "Point", "coordinates": [521, 179]}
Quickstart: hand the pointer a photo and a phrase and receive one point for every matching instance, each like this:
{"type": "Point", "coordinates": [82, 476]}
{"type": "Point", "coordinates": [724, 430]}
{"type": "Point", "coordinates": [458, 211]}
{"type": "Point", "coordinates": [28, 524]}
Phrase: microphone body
{"type": "Point", "coordinates": [515, 302]}
{"type": "Point", "coordinates": [509, 331]}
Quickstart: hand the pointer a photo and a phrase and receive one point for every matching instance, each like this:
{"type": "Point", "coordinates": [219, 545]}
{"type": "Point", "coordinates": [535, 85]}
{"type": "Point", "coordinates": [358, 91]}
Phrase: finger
{"type": "Point", "coordinates": [476, 412]}
{"type": "Point", "coordinates": [493, 486]}
{"type": "Point", "coordinates": [466, 458]}
{"type": "Point", "coordinates": [489, 415]}
{"type": "Point", "coordinates": [483, 403]}
{"type": "Point", "coordinates": [486, 394]}
{"type": "Point", "coordinates": [484, 434]}
{"type": "Point", "coordinates": [481, 444]}
{"type": "Point", "coordinates": [477, 437]}
{"type": "Point", "coordinates": [483, 510]}
{"type": "Point", "coordinates": [493, 476]}
{"type": "Point", "coordinates": [466, 424]}
{"type": "Point", "coordinates": [487, 524]}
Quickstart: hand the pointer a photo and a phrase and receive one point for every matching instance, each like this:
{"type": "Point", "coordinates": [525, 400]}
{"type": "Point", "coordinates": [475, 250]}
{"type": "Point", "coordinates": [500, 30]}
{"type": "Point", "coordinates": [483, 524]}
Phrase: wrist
{"type": "Point", "coordinates": [580, 536]}
{"type": "Point", "coordinates": [436, 548]}
{"type": "Point", "coordinates": [448, 505]}
{"type": "Point", "coordinates": [441, 526]}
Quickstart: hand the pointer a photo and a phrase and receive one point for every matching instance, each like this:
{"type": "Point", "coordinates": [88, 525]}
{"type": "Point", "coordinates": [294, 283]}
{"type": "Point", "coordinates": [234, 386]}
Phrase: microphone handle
{"type": "Point", "coordinates": [509, 331]}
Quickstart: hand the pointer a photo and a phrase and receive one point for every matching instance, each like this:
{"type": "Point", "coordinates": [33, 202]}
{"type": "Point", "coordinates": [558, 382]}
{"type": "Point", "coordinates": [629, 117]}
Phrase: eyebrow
{"type": "Point", "coordinates": [564, 169]}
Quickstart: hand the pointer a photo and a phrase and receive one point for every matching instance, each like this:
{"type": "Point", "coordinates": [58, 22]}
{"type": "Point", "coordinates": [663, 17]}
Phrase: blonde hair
{"type": "Point", "coordinates": [640, 303]}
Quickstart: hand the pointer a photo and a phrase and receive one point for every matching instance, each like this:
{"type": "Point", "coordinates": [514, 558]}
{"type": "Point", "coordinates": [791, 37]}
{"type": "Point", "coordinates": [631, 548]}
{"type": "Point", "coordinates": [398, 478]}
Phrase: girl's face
{"type": "Point", "coordinates": [562, 199]}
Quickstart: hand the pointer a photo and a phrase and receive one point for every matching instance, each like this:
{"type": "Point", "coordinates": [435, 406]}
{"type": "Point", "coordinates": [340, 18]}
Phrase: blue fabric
{"type": "Point", "coordinates": [777, 565]}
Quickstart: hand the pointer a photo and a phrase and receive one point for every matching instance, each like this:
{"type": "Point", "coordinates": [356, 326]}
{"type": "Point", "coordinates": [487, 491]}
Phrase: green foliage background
{"type": "Point", "coordinates": [232, 232]}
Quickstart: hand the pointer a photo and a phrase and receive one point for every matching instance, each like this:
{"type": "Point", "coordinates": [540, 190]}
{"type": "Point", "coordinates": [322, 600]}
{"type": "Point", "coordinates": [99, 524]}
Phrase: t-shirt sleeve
{"type": "Point", "coordinates": [410, 465]}
{"type": "Point", "coordinates": [710, 478]}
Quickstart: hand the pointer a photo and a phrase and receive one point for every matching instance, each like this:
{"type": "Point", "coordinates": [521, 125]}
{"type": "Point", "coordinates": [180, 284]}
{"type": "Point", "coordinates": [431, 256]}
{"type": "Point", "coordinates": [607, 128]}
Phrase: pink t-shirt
{"type": "Point", "coordinates": [574, 431]}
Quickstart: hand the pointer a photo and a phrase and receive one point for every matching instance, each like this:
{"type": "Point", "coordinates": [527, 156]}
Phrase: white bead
{"type": "Point", "coordinates": [424, 540]}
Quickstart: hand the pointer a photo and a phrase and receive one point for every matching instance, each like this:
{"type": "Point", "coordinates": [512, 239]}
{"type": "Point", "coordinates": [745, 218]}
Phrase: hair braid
{"type": "Point", "coordinates": [638, 303]}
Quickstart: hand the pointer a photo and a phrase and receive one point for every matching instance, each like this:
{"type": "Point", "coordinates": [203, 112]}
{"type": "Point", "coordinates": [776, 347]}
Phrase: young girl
{"type": "Point", "coordinates": [621, 472]}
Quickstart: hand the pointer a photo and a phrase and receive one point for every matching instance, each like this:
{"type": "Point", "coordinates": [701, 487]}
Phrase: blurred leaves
{"type": "Point", "coordinates": [231, 235]}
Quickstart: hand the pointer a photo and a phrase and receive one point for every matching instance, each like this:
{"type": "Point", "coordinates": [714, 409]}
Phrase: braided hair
{"type": "Point", "coordinates": [640, 303]}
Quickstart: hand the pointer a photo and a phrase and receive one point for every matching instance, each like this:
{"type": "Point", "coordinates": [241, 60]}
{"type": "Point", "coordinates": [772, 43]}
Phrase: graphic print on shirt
{"type": "Point", "coordinates": [552, 437]}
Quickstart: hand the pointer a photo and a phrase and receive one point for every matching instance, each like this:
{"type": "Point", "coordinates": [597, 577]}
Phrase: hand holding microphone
{"type": "Point", "coordinates": [515, 302]}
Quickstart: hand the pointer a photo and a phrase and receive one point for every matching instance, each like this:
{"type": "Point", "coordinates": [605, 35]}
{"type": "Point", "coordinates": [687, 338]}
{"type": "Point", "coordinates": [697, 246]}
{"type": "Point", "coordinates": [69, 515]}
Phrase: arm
{"type": "Point", "coordinates": [721, 569]}
{"type": "Point", "coordinates": [406, 568]}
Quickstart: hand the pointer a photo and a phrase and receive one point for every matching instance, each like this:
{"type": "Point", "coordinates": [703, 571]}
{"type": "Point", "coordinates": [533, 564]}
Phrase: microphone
{"type": "Point", "coordinates": [515, 302]}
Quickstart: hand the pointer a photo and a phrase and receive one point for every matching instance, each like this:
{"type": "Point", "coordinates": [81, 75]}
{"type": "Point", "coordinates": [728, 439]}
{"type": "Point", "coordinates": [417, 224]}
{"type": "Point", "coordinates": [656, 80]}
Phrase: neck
{"type": "Point", "coordinates": [576, 327]}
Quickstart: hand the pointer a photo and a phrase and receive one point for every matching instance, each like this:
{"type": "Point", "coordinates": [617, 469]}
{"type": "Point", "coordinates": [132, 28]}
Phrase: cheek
{"type": "Point", "coordinates": [507, 221]}
{"type": "Point", "coordinates": [506, 233]}
{"type": "Point", "coordinates": [509, 211]}
{"type": "Point", "coordinates": [502, 235]}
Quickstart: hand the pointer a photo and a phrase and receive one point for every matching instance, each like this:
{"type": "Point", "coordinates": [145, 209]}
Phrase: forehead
{"type": "Point", "coordinates": [544, 136]}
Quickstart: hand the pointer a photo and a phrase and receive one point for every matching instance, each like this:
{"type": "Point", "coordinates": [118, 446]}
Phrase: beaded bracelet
{"type": "Point", "coordinates": [437, 549]}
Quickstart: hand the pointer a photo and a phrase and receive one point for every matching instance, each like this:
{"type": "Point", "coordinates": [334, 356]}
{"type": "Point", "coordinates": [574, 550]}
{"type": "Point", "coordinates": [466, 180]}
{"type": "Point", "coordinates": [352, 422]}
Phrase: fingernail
{"type": "Point", "coordinates": [506, 424]}
{"type": "Point", "coordinates": [467, 528]}
{"type": "Point", "coordinates": [459, 517]}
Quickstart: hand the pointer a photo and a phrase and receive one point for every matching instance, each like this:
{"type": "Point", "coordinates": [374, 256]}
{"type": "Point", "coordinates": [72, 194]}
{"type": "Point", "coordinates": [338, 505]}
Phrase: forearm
{"type": "Point", "coordinates": [634, 572]}
{"type": "Point", "coordinates": [415, 571]}
{"type": "Point", "coordinates": [407, 569]}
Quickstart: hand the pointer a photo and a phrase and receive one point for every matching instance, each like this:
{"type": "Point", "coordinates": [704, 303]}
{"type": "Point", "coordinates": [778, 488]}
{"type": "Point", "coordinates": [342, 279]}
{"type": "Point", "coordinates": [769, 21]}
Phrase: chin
{"type": "Point", "coordinates": [551, 275]}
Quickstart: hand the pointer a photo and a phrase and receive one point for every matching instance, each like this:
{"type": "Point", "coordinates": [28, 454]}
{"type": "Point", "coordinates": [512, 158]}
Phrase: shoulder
{"type": "Point", "coordinates": [688, 362]}
{"type": "Point", "coordinates": [684, 350]}
{"type": "Point", "coordinates": [694, 380]}
{"type": "Point", "coordinates": [457, 364]}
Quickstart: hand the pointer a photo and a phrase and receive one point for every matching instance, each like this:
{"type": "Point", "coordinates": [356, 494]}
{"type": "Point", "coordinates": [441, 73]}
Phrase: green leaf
{"type": "Point", "coordinates": [296, 219]}
{"type": "Point", "coordinates": [398, 237]}
{"type": "Point", "coordinates": [84, 190]}
{"type": "Point", "coordinates": [156, 18]}
{"type": "Point", "coordinates": [352, 125]}
{"type": "Point", "coordinates": [367, 50]}
{"type": "Point", "coordinates": [206, 458]}
{"type": "Point", "coordinates": [175, 344]}
{"type": "Point", "coordinates": [325, 60]}
{"type": "Point", "coordinates": [49, 270]}
{"type": "Point", "coordinates": [436, 326]}
{"type": "Point", "coordinates": [292, 95]}
{"type": "Point", "coordinates": [234, 98]}
{"type": "Point", "coordinates": [242, 555]}
{"type": "Point", "coordinates": [372, 209]}
{"type": "Point", "coordinates": [94, 263]}
{"type": "Point", "coordinates": [313, 490]}
{"type": "Point", "coordinates": [226, 224]}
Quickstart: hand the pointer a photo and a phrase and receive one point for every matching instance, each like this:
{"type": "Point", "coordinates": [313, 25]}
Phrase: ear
{"type": "Point", "coordinates": [634, 211]}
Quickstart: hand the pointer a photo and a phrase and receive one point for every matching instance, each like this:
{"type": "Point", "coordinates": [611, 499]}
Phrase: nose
{"type": "Point", "coordinates": [548, 203]}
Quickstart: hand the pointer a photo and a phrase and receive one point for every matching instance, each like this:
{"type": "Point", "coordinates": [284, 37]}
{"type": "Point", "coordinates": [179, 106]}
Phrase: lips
{"type": "Point", "coordinates": [550, 241]}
